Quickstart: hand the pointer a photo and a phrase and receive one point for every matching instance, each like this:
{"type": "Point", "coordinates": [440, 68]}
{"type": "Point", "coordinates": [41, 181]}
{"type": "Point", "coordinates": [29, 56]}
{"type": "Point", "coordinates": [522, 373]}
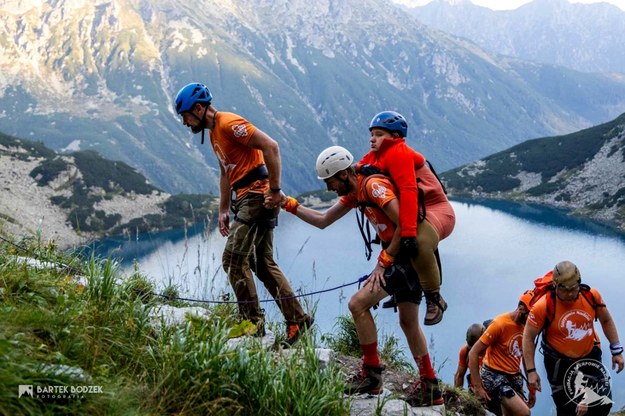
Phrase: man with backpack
{"type": "Point", "coordinates": [250, 169]}
{"type": "Point", "coordinates": [499, 382]}
{"type": "Point", "coordinates": [377, 196]}
{"type": "Point", "coordinates": [580, 384]}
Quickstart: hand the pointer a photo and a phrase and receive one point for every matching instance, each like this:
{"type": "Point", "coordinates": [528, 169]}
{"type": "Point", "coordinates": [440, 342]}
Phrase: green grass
{"type": "Point", "coordinates": [101, 330]}
{"type": "Point", "coordinates": [345, 341]}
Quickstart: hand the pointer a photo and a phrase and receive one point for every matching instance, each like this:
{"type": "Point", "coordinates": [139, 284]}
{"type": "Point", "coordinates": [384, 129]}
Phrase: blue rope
{"type": "Point", "coordinates": [75, 270]}
{"type": "Point", "coordinates": [360, 280]}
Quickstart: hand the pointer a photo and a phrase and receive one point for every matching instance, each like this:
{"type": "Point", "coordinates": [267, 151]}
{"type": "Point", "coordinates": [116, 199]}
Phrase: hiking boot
{"type": "Point", "coordinates": [436, 305]}
{"type": "Point", "coordinates": [366, 379]}
{"type": "Point", "coordinates": [294, 331]}
{"type": "Point", "coordinates": [425, 392]}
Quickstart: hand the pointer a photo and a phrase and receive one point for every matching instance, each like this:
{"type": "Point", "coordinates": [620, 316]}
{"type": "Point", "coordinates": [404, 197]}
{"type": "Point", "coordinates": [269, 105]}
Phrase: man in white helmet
{"type": "Point", "coordinates": [377, 197]}
{"type": "Point", "coordinates": [570, 345]}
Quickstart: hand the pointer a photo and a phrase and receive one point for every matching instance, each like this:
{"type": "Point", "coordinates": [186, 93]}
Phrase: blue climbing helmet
{"type": "Point", "coordinates": [191, 94]}
{"type": "Point", "coordinates": [391, 121]}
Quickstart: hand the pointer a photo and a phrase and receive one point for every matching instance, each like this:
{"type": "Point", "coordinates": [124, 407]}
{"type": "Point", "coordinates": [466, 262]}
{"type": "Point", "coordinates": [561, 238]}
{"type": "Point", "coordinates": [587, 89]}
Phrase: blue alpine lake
{"type": "Point", "coordinates": [495, 252]}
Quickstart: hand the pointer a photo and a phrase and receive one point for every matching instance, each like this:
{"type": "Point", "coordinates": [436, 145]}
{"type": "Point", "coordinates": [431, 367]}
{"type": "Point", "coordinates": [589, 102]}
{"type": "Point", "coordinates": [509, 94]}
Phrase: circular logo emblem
{"type": "Point", "coordinates": [587, 381]}
{"type": "Point", "coordinates": [515, 345]}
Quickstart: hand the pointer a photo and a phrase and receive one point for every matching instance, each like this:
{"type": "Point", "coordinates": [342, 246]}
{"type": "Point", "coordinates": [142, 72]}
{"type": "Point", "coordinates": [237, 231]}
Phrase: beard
{"type": "Point", "coordinates": [523, 318]}
{"type": "Point", "coordinates": [199, 127]}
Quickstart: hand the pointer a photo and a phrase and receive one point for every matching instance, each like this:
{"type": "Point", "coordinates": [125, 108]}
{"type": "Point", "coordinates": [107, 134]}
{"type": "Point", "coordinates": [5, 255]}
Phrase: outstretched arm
{"type": "Point", "coordinates": [313, 217]}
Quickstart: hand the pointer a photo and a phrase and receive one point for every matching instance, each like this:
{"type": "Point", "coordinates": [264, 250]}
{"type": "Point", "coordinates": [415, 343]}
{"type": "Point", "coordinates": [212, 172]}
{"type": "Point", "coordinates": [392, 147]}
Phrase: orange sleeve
{"type": "Point", "coordinates": [380, 190]}
{"type": "Point", "coordinates": [462, 356]}
{"type": "Point", "coordinates": [349, 201]}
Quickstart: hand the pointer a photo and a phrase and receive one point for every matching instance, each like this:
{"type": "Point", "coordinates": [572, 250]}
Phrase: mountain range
{"type": "Point", "coordinates": [101, 75]}
{"type": "Point", "coordinates": [581, 172]}
{"type": "Point", "coordinates": [583, 37]}
{"type": "Point", "coordinates": [75, 197]}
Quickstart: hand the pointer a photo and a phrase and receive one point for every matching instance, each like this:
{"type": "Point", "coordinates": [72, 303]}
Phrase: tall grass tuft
{"type": "Point", "coordinates": [57, 331]}
{"type": "Point", "coordinates": [345, 341]}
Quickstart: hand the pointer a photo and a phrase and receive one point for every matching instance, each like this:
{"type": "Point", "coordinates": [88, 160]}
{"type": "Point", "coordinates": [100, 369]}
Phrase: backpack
{"type": "Point", "coordinates": [545, 285]}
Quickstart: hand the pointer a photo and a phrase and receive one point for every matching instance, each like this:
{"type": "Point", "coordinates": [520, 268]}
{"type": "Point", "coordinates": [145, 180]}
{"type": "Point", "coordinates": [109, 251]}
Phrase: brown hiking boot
{"type": "Point", "coordinates": [425, 392]}
{"type": "Point", "coordinates": [294, 331]}
{"type": "Point", "coordinates": [366, 379]}
{"type": "Point", "coordinates": [436, 305]}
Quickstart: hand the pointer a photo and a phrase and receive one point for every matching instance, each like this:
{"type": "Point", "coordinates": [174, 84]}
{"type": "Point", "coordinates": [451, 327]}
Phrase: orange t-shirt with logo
{"type": "Point", "coordinates": [229, 139]}
{"type": "Point", "coordinates": [377, 190]}
{"type": "Point", "coordinates": [571, 332]}
{"type": "Point", "coordinates": [504, 338]}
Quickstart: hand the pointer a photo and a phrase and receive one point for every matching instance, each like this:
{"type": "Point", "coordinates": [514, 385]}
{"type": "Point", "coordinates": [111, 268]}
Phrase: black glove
{"type": "Point", "coordinates": [408, 248]}
{"type": "Point", "coordinates": [368, 170]}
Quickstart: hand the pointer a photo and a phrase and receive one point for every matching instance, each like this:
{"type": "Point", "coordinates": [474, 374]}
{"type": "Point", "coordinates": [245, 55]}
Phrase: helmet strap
{"type": "Point", "coordinates": [347, 184]}
{"type": "Point", "coordinates": [202, 125]}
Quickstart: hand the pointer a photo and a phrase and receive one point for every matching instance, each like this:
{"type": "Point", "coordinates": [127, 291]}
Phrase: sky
{"type": "Point", "coordinates": [511, 4]}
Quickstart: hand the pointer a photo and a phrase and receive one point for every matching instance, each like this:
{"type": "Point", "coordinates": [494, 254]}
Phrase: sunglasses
{"type": "Point", "coordinates": [568, 288]}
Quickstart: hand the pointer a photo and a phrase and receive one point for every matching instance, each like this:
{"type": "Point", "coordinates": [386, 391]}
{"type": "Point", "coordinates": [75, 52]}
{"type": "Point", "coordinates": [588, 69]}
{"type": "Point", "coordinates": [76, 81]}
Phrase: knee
{"type": "Point", "coordinates": [231, 261]}
{"type": "Point", "coordinates": [407, 324]}
{"type": "Point", "coordinates": [356, 306]}
{"type": "Point", "coordinates": [226, 257]}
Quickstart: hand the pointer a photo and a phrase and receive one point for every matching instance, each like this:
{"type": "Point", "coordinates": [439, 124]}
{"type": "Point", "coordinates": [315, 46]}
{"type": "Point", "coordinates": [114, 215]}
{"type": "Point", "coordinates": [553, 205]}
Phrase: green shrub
{"type": "Point", "coordinates": [48, 170]}
{"type": "Point", "coordinates": [345, 341]}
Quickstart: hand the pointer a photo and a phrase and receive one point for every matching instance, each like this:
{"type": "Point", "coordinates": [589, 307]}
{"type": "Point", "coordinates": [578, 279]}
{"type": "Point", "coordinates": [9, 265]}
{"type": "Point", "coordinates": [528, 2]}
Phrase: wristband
{"type": "Point", "coordinates": [530, 370]}
{"type": "Point", "coordinates": [616, 348]}
{"type": "Point", "coordinates": [291, 205]}
{"type": "Point", "coordinates": [278, 189]}
{"type": "Point", "coordinates": [385, 259]}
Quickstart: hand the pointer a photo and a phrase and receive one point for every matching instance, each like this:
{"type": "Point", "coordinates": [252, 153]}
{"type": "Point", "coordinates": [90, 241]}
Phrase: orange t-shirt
{"type": "Point", "coordinates": [504, 339]}
{"type": "Point", "coordinates": [571, 332]}
{"type": "Point", "coordinates": [463, 357]}
{"type": "Point", "coordinates": [377, 190]}
{"type": "Point", "coordinates": [229, 139]}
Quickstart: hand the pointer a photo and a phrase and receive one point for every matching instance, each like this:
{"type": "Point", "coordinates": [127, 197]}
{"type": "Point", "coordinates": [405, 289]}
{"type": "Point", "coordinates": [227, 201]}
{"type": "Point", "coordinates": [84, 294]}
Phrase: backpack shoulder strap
{"type": "Point", "coordinates": [436, 175]}
{"type": "Point", "coordinates": [365, 231]}
{"type": "Point", "coordinates": [585, 291]}
{"type": "Point", "coordinates": [363, 223]}
{"type": "Point", "coordinates": [551, 306]}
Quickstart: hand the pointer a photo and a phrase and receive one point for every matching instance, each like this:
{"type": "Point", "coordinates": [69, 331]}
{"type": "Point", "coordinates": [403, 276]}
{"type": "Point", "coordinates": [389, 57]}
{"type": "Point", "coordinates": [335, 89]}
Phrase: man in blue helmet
{"type": "Point", "coordinates": [250, 169]}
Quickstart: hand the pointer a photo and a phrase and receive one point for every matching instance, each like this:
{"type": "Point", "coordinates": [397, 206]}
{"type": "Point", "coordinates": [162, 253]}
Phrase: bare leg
{"type": "Point", "coordinates": [409, 322]}
{"type": "Point", "coordinates": [360, 306]}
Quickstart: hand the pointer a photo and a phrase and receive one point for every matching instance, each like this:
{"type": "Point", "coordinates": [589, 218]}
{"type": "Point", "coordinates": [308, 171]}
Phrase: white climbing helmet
{"type": "Point", "coordinates": [332, 160]}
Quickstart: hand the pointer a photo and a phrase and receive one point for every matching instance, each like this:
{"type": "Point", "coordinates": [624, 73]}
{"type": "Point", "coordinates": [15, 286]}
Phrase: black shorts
{"type": "Point", "coordinates": [402, 282]}
{"type": "Point", "coordinates": [499, 385]}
